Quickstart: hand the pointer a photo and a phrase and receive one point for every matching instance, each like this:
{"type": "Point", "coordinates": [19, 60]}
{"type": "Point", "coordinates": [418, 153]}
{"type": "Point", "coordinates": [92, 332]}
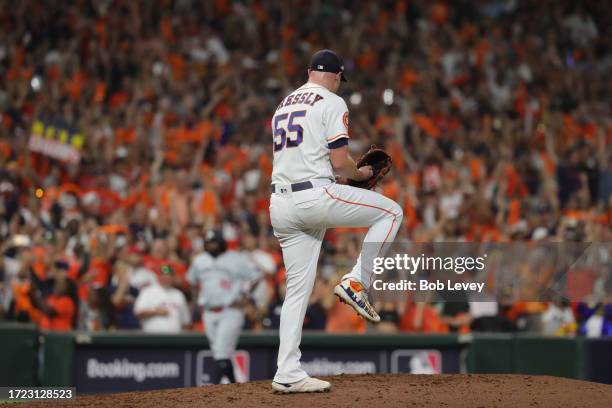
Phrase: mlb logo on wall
{"type": "Point", "coordinates": [205, 366]}
{"type": "Point", "coordinates": [241, 360]}
{"type": "Point", "coordinates": [416, 361]}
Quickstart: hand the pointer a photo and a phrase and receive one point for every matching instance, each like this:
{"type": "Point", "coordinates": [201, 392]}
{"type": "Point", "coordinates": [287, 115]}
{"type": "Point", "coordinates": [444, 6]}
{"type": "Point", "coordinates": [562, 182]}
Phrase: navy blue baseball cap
{"type": "Point", "coordinates": [327, 61]}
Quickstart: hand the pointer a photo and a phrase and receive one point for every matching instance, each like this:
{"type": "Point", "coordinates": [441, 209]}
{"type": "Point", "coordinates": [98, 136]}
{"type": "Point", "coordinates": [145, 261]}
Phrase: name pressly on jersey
{"type": "Point", "coordinates": [305, 126]}
{"type": "Point", "coordinates": [307, 98]}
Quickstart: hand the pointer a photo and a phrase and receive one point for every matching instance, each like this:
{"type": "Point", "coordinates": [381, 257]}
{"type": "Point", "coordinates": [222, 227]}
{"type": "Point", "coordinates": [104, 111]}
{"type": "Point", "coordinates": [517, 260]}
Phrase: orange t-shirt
{"type": "Point", "coordinates": [430, 321]}
{"type": "Point", "coordinates": [343, 319]}
{"type": "Point", "coordinates": [23, 304]}
{"type": "Point", "coordinates": [64, 307]}
{"type": "Point", "coordinates": [409, 78]}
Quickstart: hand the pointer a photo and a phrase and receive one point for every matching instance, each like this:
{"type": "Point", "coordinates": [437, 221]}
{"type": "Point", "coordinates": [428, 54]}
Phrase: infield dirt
{"type": "Point", "coordinates": [388, 390]}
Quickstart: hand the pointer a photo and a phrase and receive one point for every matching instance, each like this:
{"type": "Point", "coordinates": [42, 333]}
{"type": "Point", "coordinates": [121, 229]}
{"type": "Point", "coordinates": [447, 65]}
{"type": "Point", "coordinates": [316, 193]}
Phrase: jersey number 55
{"type": "Point", "coordinates": [282, 135]}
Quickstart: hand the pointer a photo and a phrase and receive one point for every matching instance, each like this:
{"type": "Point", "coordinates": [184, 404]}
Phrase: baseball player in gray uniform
{"type": "Point", "coordinates": [224, 279]}
{"type": "Point", "coordinates": [310, 145]}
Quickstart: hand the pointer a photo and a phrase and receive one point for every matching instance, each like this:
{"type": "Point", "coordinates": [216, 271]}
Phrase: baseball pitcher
{"type": "Point", "coordinates": [310, 132]}
{"type": "Point", "coordinates": [223, 278]}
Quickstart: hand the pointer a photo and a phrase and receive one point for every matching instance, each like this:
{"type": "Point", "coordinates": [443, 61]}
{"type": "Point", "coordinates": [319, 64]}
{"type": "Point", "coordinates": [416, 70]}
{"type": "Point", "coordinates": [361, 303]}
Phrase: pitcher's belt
{"type": "Point", "coordinates": [301, 186]}
{"type": "Point", "coordinates": [304, 185]}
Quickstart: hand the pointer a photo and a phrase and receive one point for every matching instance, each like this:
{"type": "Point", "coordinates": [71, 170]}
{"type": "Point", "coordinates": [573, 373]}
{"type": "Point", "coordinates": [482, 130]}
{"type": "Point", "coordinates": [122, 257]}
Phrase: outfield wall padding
{"type": "Point", "coordinates": [29, 357]}
{"type": "Point", "coordinates": [18, 355]}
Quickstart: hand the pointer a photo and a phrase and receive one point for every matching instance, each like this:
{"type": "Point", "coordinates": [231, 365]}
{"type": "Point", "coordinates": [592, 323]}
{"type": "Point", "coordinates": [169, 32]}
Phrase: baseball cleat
{"type": "Point", "coordinates": [308, 384]}
{"type": "Point", "coordinates": [353, 293]}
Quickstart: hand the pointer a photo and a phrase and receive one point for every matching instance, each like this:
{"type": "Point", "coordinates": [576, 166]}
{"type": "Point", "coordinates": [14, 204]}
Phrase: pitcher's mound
{"type": "Point", "coordinates": [376, 391]}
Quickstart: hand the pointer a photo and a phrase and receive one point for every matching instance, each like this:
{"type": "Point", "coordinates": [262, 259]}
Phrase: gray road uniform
{"type": "Point", "coordinates": [223, 281]}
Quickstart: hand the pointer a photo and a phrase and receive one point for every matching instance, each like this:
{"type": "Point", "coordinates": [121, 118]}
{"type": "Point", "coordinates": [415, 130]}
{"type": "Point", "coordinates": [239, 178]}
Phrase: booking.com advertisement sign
{"type": "Point", "coordinates": [100, 369]}
{"type": "Point", "coordinates": [118, 369]}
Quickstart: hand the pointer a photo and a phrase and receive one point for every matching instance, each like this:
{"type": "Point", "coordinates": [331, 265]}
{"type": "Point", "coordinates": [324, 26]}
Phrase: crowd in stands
{"type": "Point", "coordinates": [497, 114]}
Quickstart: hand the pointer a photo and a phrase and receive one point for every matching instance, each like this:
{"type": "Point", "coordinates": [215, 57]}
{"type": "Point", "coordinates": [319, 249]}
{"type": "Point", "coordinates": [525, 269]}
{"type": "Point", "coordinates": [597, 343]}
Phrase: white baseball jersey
{"type": "Point", "coordinates": [304, 125]}
{"type": "Point", "coordinates": [223, 279]}
{"type": "Point", "coordinates": [155, 296]}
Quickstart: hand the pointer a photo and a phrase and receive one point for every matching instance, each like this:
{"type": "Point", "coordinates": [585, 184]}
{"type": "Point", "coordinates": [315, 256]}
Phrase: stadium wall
{"type": "Point", "coordinates": [122, 361]}
{"type": "Point", "coordinates": [18, 355]}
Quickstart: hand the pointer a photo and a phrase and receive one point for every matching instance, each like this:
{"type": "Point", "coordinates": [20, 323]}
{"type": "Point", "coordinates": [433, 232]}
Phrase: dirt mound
{"type": "Point", "coordinates": [467, 390]}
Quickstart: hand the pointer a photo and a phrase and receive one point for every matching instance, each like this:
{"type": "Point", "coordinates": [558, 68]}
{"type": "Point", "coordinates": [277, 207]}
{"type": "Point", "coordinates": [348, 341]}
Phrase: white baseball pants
{"type": "Point", "coordinates": [299, 220]}
{"type": "Point", "coordinates": [223, 330]}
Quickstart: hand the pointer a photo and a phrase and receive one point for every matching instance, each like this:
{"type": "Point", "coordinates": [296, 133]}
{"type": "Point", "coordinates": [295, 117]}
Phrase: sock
{"type": "Point", "coordinates": [226, 368]}
{"type": "Point", "coordinates": [216, 375]}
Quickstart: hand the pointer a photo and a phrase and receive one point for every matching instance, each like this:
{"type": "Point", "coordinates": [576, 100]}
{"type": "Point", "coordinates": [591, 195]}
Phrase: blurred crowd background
{"type": "Point", "coordinates": [497, 114]}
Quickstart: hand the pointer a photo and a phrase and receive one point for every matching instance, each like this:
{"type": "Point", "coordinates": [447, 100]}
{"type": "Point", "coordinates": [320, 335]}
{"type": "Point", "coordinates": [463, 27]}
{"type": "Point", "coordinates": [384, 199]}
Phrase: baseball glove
{"type": "Point", "coordinates": [381, 164]}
